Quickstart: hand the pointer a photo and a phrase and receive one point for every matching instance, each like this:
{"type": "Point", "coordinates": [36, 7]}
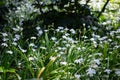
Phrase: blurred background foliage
{"type": "Point", "coordinates": [76, 14]}
{"type": "Point", "coordinates": [69, 13]}
{"type": "Point", "coordinates": [3, 10]}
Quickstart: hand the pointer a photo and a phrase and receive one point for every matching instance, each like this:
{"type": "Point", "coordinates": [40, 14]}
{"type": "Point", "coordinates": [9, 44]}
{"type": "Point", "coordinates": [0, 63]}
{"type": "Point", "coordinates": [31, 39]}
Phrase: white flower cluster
{"type": "Point", "coordinates": [23, 10]}
{"type": "Point", "coordinates": [5, 39]}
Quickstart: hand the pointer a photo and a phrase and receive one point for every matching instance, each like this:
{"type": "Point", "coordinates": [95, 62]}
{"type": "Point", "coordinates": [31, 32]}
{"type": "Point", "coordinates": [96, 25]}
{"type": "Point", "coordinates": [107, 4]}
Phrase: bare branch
{"type": "Point", "coordinates": [103, 9]}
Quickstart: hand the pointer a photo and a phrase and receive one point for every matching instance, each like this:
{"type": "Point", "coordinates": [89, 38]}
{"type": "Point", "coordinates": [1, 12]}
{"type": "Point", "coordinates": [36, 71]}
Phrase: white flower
{"type": "Point", "coordinates": [61, 52]}
{"type": "Point", "coordinates": [19, 63]}
{"type": "Point", "coordinates": [118, 30]}
{"type": "Point", "coordinates": [91, 72]}
{"type": "Point", "coordinates": [23, 50]}
{"type": "Point", "coordinates": [17, 37]}
{"type": "Point", "coordinates": [63, 48]}
{"type": "Point", "coordinates": [118, 37]}
{"type": "Point", "coordinates": [62, 31]}
{"type": "Point", "coordinates": [94, 65]}
{"type": "Point", "coordinates": [72, 31]}
{"type": "Point", "coordinates": [94, 28]}
{"type": "Point", "coordinates": [4, 44]}
{"type": "Point", "coordinates": [5, 39]}
{"type": "Point", "coordinates": [92, 39]}
{"type": "Point", "coordinates": [97, 61]}
{"type": "Point", "coordinates": [95, 36]}
{"type": "Point", "coordinates": [57, 42]}
{"type": "Point", "coordinates": [31, 58]}
{"type": "Point", "coordinates": [64, 41]}
{"type": "Point", "coordinates": [43, 47]}
{"type": "Point", "coordinates": [59, 48]}
{"type": "Point", "coordinates": [38, 28]}
{"type": "Point", "coordinates": [52, 58]}
{"type": "Point", "coordinates": [57, 30]}
{"type": "Point", "coordinates": [109, 40]}
{"type": "Point", "coordinates": [107, 71]}
{"type": "Point", "coordinates": [64, 37]}
{"type": "Point", "coordinates": [46, 30]}
{"type": "Point", "coordinates": [78, 60]}
{"type": "Point", "coordinates": [63, 63]}
{"type": "Point", "coordinates": [78, 48]}
{"type": "Point", "coordinates": [54, 38]}
{"type": "Point", "coordinates": [56, 50]}
{"type": "Point", "coordinates": [67, 45]}
{"type": "Point", "coordinates": [84, 37]}
{"type": "Point", "coordinates": [4, 34]}
{"type": "Point", "coordinates": [59, 27]}
{"type": "Point", "coordinates": [112, 33]}
{"type": "Point", "coordinates": [33, 49]}
{"type": "Point", "coordinates": [83, 48]}
{"type": "Point", "coordinates": [103, 38]}
{"type": "Point", "coordinates": [66, 29]}
{"type": "Point", "coordinates": [70, 39]}
{"type": "Point", "coordinates": [10, 52]}
{"type": "Point", "coordinates": [77, 76]}
{"type": "Point", "coordinates": [67, 34]}
{"type": "Point", "coordinates": [17, 29]}
{"type": "Point", "coordinates": [31, 44]}
{"type": "Point", "coordinates": [40, 32]}
{"type": "Point", "coordinates": [95, 44]}
{"type": "Point", "coordinates": [99, 54]}
{"type": "Point", "coordinates": [72, 0]}
{"type": "Point", "coordinates": [117, 72]}
{"type": "Point", "coordinates": [14, 43]}
{"type": "Point", "coordinates": [33, 37]}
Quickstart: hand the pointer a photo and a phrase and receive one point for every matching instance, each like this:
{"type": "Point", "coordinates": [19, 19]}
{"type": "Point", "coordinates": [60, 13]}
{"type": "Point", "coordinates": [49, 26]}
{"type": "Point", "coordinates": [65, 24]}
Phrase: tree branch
{"type": "Point", "coordinates": [103, 9]}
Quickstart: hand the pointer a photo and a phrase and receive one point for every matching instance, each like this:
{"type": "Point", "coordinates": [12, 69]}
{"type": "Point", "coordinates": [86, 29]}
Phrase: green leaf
{"type": "Point", "coordinates": [54, 72]}
{"type": "Point", "coordinates": [51, 62]}
{"type": "Point", "coordinates": [11, 70]}
{"type": "Point", "coordinates": [1, 70]}
{"type": "Point", "coordinates": [40, 72]}
{"type": "Point", "coordinates": [47, 41]}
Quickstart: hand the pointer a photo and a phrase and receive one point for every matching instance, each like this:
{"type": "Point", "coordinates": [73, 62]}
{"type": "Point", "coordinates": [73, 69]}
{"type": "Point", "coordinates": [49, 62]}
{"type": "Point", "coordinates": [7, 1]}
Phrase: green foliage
{"type": "Point", "coordinates": [66, 13]}
{"type": "Point", "coordinates": [12, 74]}
{"type": "Point", "coordinates": [35, 45]}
